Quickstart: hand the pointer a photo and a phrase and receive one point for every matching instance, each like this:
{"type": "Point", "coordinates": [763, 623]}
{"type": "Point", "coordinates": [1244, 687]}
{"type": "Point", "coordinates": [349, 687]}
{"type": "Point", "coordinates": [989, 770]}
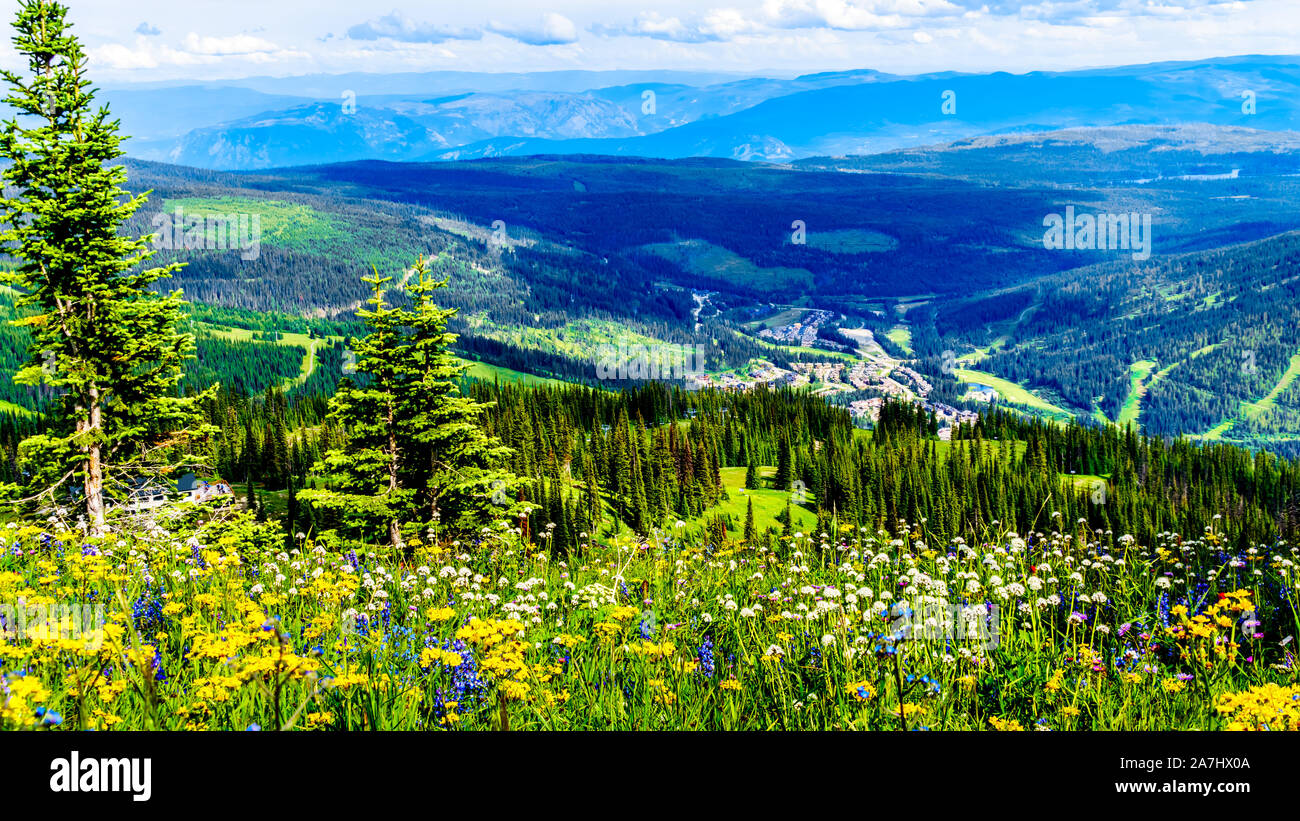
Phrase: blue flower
{"type": "Point", "coordinates": [147, 610]}
{"type": "Point", "coordinates": [705, 654]}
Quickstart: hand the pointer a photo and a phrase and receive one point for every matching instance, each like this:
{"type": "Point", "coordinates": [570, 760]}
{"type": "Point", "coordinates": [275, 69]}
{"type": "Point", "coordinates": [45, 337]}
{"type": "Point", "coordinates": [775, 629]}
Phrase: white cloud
{"type": "Point", "coordinates": [237, 44]}
{"type": "Point", "coordinates": [148, 53]}
{"type": "Point", "coordinates": [788, 36]}
{"type": "Point", "coordinates": [726, 23]}
{"type": "Point", "coordinates": [652, 25]}
{"type": "Point", "coordinates": [144, 54]}
{"type": "Point", "coordinates": [716, 26]}
{"type": "Point", "coordinates": [854, 15]}
{"type": "Point", "coordinates": [553, 30]}
{"type": "Point", "coordinates": [399, 27]}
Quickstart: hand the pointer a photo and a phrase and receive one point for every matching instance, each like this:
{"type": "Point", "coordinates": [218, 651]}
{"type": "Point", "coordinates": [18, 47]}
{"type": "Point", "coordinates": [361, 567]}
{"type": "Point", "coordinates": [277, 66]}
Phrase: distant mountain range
{"type": "Point", "coordinates": [267, 122]}
{"type": "Point", "coordinates": [1106, 156]}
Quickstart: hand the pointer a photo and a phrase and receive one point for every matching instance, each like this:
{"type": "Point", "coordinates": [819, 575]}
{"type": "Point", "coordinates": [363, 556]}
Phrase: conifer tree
{"type": "Point", "coordinates": [466, 484]}
{"type": "Point", "coordinates": [102, 340]}
{"type": "Point", "coordinates": [248, 457]}
{"type": "Point", "coordinates": [592, 511]}
{"type": "Point", "coordinates": [749, 523]}
{"type": "Point", "coordinates": [365, 488]}
{"type": "Point", "coordinates": [784, 464]}
{"type": "Point", "coordinates": [718, 530]}
{"type": "Point", "coordinates": [414, 453]}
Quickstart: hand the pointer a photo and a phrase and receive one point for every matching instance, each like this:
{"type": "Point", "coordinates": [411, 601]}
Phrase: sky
{"type": "Point", "coordinates": [206, 40]}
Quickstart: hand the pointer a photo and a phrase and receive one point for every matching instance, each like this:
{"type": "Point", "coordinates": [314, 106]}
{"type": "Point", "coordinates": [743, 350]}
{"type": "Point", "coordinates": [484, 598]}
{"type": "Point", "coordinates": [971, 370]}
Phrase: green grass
{"type": "Point", "coordinates": [799, 349]}
{"type": "Point", "coordinates": [851, 241]}
{"type": "Point", "coordinates": [943, 450]}
{"type": "Point", "coordinates": [980, 354]}
{"type": "Point", "coordinates": [701, 258]}
{"type": "Point", "coordinates": [1087, 482]}
{"type": "Point", "coordinates": [578, 339]}
{"type": "Point", "coordinates": [786, 316]}
{"type": "Point", "coordinates": [495, 373]}
{"type": "Point", "coordinates": [304, 229]}
{"type": "Point", "coordinates": [1132, 408]}
{"type": "Point", "coordinates": [901, 335]}
{"type": "Point", "coordinates": [288, 225]}
{"type": "Point", "coordinates": [768, 503]}
{"type": "Point", "coordinates": [1216, 433]}
{"type": "Point", "coordinates": [621, 648]}
{"type": "Point", "coordinates": [1010, 392]}
{"type": "Point", "coordinates": [1253, 410]}
{"type": "Point", "coordinates": [309, 344]}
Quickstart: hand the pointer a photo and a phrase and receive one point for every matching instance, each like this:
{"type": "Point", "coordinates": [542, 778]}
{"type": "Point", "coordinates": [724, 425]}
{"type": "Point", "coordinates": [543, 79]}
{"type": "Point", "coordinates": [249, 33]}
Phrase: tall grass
{"type": "Point", "coordinates": [213, 622]}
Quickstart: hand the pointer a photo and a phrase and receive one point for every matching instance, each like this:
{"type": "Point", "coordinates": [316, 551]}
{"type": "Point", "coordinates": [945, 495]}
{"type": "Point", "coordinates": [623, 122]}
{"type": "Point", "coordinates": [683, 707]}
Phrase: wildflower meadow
{"type": "Point", "coordinates": [211, 622]}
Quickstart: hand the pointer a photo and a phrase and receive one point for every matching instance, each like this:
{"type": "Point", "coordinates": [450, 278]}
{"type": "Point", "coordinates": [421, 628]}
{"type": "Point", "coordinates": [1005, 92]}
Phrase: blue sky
{"type": "Point", "coordinates": [145, 40]}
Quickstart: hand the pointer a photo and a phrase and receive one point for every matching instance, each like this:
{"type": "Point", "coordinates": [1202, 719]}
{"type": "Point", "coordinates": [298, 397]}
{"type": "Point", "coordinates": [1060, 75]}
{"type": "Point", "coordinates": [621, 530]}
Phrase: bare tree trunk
{"type": "Point", "coordinates": [394, 528]}
{"type": "Point", "coordinates": [94, 484]}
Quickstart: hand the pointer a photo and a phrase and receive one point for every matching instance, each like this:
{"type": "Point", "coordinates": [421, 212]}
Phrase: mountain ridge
{"type": "Point", "coordinates": [660, 114]}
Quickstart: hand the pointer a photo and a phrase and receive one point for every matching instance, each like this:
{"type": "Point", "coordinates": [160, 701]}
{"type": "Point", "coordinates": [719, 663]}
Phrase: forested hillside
{"type": "Point", "coordinates": [1200, 344]}
{"type": "Point", "coordinates": [641, 460]}
{"type": "Point", "coordinates": [941, 247]}
{"type": "Point", "coordinates": [388, 447]}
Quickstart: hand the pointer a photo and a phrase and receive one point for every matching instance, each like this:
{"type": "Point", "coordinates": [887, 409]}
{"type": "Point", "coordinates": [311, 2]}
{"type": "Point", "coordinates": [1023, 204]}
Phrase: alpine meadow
{"type": "Point", "coordinates": [643, 400]}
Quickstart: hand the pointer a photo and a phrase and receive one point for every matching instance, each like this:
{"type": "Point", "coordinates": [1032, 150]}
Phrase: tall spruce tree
{"type": "Point", "coordinates": [414, 454]}
{"type": "Point", "coordinates": [102, 340]}
{"type": "Point", "coordinates": [458, 469]}
{"type": "Point", "coordinates": [784, 464]}
{"type": "Point", "coordinates": [750, 532]}
{"type": "Point", "coordinates": [365, 488]}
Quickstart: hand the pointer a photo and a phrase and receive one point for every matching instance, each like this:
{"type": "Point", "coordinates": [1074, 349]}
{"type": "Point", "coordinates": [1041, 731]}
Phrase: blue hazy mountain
{"type": "Point", "coordinates": [866, 118]}
{"type": "Point", "coordinates": [466, 116]}
{"type": "Point", "coordinates": [1131, 156]}
{"type": "Point", "coordinates": [377, 124]}
{"type": "Point", "coordinates": [157, 117]}
{"type": "Point", "coordinates": [392, 127]}
{"type": "Point", "coordinates": [330, 86]}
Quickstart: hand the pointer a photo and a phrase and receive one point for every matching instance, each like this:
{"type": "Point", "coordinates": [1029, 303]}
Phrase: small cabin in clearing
{"type": "Point", "coordinates": [147, 493]}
